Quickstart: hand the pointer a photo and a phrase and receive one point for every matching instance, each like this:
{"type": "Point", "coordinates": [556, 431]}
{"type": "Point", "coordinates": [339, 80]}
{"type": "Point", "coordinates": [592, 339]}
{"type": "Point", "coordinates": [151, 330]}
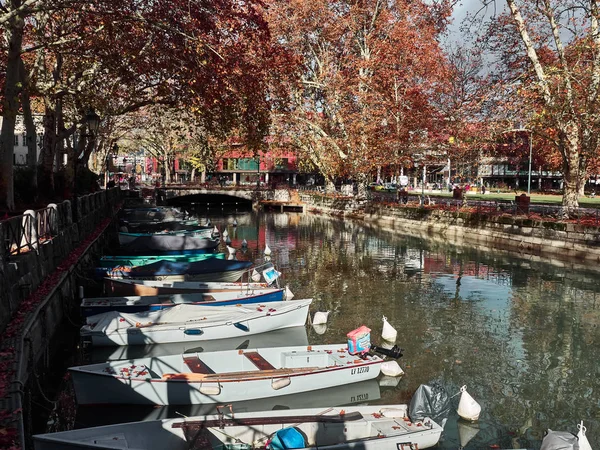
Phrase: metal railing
{"type": "Point", "coordinates": [24, 233]}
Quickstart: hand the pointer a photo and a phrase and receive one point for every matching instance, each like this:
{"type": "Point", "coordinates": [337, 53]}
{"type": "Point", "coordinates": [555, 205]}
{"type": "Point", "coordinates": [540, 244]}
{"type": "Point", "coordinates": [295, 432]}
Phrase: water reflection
{"type": "Point", "coordinates": [523, 335]}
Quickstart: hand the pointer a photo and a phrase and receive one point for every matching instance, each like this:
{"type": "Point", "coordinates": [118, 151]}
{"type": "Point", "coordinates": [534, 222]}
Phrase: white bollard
{"type": "Point", "coordinates": [388, 333]}
{"type": "Point", "coordinates": [468, 408]}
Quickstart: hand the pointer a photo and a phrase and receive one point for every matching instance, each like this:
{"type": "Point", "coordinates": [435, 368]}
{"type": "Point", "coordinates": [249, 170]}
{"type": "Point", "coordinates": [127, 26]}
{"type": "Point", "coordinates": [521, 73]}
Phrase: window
{"type": "Point", "coordinates": [16, 140]}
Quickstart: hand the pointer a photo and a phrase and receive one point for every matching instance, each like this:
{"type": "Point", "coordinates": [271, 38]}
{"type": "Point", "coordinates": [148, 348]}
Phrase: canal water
{"type": "Point", "coordinates": [522, 336]}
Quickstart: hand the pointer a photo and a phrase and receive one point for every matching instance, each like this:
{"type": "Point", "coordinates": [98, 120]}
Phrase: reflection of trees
{"type": "Point", "coordinates": [531, 362]}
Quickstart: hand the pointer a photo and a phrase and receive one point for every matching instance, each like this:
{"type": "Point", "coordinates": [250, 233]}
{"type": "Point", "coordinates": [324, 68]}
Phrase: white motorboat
{"type": "Point", "coordinates": [190, 323]}
{"type": "Point", "coordinates": [383, 427]}
{"type": "Point", "coordinates": [221, 377]}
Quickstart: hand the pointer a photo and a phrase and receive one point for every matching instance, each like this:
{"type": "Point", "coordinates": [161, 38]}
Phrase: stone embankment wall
{"type": "Point", "coordinates": [39, 290]}
{"type": "Point", "coordinates": [22, 273]}
{"type": "Point", "coordinates": [561, 240]}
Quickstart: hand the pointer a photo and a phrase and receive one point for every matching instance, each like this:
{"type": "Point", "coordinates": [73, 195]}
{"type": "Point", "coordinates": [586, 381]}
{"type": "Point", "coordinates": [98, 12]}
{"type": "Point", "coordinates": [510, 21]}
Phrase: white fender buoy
{"type": "Point", "coordinates": [279, 383]}
{"type": "Point", "coordinates": [230, 257]}
{"type": "Point", "coordinates": [584, 444]}
{"type": "Point", "coordinates": [234, 222]}
{"type": "Point", "coordinates": [231, 250]}
{"type": "Point", "coordinates": [288, 293]}
{"type": "Point", "coordinates": [468, 408]}
{"type": "Point", "coordinates": [267, 250]}
{"type": "Point", "coordinates": [255, 276]}
{"type": "Point", "coordinates": [227, 240]}
{"type": "Point", "coordinates": [210, 389]}
{"type": "Point", "coordinates": [208, 222]}
{"type": "Point", "coordinates": [466, 432]}
{"type": "Point", "coordinates": [320, 329]}
{"type": "Point", "coordinates": [391, 369]}
{"type": "Point", "coordinates": [320, 318]}
{"type": "Point", "coordinates": [244, 243]}
{"type": "Point", "coordinates": [388, 333]}
{"type": "Point", "coordinates": [225, 233]}
{"type": "Point", "coordinates": [216, 230]}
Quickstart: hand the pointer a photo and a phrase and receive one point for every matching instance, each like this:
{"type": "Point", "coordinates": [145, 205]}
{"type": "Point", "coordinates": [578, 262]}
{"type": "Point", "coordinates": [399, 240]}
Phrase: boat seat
{"type": "Point", "coordinates": [260, 362]}
{"type": "Point", "coordinates": [197, 366]}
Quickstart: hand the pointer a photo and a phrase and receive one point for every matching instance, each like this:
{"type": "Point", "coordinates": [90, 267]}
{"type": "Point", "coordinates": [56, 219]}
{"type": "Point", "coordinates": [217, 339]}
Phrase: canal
{"type": "Point", "coordinates": [523, 336]}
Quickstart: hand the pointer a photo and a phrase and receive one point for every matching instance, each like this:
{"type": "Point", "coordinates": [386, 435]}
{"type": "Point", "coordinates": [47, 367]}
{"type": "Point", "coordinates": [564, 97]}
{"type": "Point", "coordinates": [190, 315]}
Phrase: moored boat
{"type": "Point", "coordinates": [128, 237]}
{"type": "Point", "coordinates": [206, 270]}
{"type": "Point", "coordinates": [379, 427]}
{"type": "Point", "coordinates": [155, 214]}
{"type": "Point", "coordinates": [151, 227]}
{"type": "Point", "coordinates": [221, 377]}
{"type": "Point", "coordinates": [133, 304]}
{"type": "Point", "coordinates": [169, 245]}
{"type": "Point", "coordinates": [192, 323]}
{"type": "Point", "coordinates": [133, 260]}
{"type": "Point", "coordinates": [125, 287]}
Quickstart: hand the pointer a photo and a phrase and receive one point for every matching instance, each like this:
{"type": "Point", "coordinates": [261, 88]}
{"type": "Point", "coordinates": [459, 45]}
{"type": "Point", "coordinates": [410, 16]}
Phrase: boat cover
{"type": "Point", "coordinates": [162, 267]}
{"type": "Point", "coordinates": [429, 401]}
{"type": "Point", "coordinates": [184, 314]}
{"type": "Point", "coordinates": [559, 440]}
{"type": "Point", "coordinates": [158, 243]}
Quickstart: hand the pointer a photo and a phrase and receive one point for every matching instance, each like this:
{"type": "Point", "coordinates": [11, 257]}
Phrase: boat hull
{"type": "Point", "coordinates": [91, 306]}
{"type": "Point", "coordinates": [114, 261]}
{"type": "Point", "coordinates": [123, 287]}
{"type": "Point", "coordinates": [126, 238]}
{"type": "Point", "coordinates": [353, 427]}
{"type": "Point", "coordinates": [169, 245]}
{"type": "Point", "coordinates": [97, 384]}
{"type": "Point", "coordinates": [290, 314]}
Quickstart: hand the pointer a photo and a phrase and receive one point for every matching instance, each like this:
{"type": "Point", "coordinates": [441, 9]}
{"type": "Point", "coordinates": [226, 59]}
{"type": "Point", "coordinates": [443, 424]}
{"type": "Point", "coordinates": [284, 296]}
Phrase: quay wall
{"type": "Point", "coordinates": [527, 236]}
{"type": "Point", "coordinates": [39, 285]}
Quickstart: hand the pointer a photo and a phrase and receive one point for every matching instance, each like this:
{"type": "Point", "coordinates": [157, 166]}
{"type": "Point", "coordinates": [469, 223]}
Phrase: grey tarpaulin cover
{"type": "Point", "coordinates": [560, 440]}
{"type": "Point", "coordinates": [429, 401]}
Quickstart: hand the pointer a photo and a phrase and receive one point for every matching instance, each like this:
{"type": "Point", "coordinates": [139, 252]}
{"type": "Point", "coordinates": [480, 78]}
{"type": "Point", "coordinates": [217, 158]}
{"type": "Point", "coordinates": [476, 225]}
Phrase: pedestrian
{"type": "Point", "coordinates": [483, 189]}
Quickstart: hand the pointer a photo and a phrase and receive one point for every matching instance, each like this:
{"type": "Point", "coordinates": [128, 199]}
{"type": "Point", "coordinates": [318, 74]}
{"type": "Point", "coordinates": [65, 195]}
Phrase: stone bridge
{"type": "Point", "coordinates": [282, 197]}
